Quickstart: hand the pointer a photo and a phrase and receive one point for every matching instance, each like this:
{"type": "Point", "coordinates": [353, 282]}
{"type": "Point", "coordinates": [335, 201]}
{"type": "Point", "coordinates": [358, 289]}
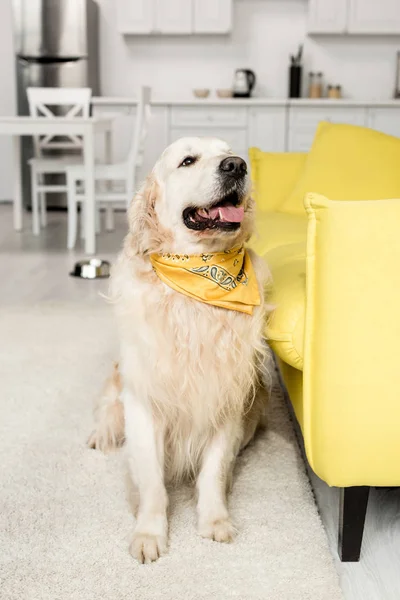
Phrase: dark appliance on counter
{"type": "Point", "coordinates": [243, 83]}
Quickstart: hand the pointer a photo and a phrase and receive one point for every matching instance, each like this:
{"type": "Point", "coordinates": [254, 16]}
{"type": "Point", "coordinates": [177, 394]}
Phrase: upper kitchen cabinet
{"type": "Point", "coordinates": [212, 16]}
{"type": "Point", "coordinates": [374, 16]}
{"type": "Point", "coordinates": [174, 17]}
{"type": "Point", "coordinates": [136, 16]}
{"type": "Point", "coordinates": [354, 16]}
{"type": "Point", "coordinates": [327, 16]}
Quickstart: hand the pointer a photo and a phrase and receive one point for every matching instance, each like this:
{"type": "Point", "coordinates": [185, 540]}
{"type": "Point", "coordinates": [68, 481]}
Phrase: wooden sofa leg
{"type": "Point", "coordinates": [353, 508]}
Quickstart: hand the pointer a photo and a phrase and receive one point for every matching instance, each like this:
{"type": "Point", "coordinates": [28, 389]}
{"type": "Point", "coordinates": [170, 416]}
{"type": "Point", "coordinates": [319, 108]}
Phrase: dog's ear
{"type": "Point", "coordinates": [140, 213]}
{"type": "Point", "coordinates": [146, 233]}
{"type": "Point", "coordinates": [248, 225]}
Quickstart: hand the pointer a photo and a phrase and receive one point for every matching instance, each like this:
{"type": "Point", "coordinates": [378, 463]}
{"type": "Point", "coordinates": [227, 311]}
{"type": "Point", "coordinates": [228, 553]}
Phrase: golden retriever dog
{"type": "Point", "coordinates": [187, 392]}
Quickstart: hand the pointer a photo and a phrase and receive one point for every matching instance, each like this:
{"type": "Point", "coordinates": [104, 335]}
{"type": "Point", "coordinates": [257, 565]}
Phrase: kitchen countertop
{"type": "Point", "coordinates": [128, 101]}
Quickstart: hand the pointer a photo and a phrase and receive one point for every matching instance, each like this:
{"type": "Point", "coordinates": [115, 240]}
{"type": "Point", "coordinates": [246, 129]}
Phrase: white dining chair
{"type": "Point", "coordinates": [115, 183]}
{"type": "Point", "coordinates": [46, 103]}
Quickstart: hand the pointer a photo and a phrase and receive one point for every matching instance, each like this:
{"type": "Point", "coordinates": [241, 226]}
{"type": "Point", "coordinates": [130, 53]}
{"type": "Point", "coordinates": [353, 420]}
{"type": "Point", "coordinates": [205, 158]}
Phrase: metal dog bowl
{"type": "Point", "coordinates": [93, 268]}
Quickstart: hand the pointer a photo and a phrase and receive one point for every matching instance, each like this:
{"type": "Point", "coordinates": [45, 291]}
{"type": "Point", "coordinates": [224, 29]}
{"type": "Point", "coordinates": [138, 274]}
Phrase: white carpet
{"type": "Point", "coordinates": [64, 521]}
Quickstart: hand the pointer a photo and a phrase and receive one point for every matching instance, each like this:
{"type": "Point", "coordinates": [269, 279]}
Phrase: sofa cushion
{"type": "Point", "coordinates": [285, 328]}
{"type": "Point", "coordinates": [277, 229]}
{"type": "Point", "coordinates": [282, 242]}
{"type": "Point", "coordinates": [274, 175]}
{"type": "Point", "coordinates": [347, 161]}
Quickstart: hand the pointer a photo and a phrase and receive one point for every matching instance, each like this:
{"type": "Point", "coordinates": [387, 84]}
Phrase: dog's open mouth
{"type": "Point", "coordinates": [226, 214]}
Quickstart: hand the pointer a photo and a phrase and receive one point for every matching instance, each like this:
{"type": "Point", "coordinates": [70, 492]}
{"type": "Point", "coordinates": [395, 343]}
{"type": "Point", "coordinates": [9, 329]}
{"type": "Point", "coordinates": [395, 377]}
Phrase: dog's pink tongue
{"type": "Point", "coordinates": [231, 214]}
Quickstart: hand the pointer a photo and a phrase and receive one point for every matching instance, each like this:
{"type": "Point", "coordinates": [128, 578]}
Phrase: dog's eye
{"type": "Point", "coordinates": [187, 161]}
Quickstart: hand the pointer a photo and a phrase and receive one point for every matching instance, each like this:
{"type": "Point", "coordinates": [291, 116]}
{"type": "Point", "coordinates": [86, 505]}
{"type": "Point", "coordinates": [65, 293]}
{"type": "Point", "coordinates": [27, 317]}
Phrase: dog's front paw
{"type": "Point", "coordinates": [219, 530]}
{"type": "Point", "coordinates": [104, 439]}
{"type": "Point", "coordinates": [147, 547]}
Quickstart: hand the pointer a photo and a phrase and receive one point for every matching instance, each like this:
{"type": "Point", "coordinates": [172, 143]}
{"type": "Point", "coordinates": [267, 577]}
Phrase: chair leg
{"type": "Point", "coordinates": [353, 508]}
{"type": "Point", "coordinates": [42, 201]}
{"type": "Point", "coordinates": [35, 203]}
{"type": "Point", "coordinates": [82, 219]}
{"type": "Point", "coordinates": [98, 218]}
{"type": "Point", "coordinates": [72, 213]}
{"type": "Point", "coordinates": [110, 224]}
{"type": "Point", "coordinates": [43, 209]}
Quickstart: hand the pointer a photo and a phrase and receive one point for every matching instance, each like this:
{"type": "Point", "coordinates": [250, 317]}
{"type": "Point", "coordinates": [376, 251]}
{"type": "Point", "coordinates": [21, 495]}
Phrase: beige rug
{"type": "Point", "coordinates": [64, 521]}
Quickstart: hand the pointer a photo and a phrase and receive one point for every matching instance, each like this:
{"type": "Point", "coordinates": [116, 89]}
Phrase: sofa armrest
{"type": "Point", "coordinates": [352, 341]}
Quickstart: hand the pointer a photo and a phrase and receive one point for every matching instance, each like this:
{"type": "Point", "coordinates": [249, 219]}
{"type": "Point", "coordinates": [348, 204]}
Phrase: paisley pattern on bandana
{"type": "Point", "coordinates": [217, 274]}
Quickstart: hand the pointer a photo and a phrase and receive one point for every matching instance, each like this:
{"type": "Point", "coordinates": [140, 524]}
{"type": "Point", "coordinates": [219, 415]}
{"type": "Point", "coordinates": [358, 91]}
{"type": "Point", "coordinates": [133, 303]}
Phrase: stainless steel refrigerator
{"type": "Point", "coordinates": [56, 45]}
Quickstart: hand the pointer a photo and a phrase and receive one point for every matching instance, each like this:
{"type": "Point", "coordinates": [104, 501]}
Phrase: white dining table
{"type": "Point", "coordinates": [84, 127]}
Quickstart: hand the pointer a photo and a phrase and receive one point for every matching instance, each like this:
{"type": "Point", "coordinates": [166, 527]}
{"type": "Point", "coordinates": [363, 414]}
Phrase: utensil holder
{"type": "Point", "coordinates": [397, 85]}
{"type": "Point", "coordinates": [295, 72]}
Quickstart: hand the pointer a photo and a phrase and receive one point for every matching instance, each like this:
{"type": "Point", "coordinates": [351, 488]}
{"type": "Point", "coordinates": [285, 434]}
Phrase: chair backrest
{"type": "Point", "coordinates": [58, 102]}
{"type": "Point", "coordinates": [139, 132]}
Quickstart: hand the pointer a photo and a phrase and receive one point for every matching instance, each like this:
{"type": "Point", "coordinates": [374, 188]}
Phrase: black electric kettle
{"type": "Point", "coordinates": [243, 83]}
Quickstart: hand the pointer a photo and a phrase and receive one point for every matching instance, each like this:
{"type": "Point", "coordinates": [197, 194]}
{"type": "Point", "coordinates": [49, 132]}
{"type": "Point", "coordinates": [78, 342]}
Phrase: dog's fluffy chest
{"type": "Point", "coordinates": [189, 358]}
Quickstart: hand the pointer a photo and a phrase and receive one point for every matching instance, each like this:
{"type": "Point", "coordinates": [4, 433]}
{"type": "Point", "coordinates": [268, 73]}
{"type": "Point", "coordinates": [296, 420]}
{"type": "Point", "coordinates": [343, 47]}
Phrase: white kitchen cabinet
{"type": "Point", "coordinates": [374, 16]}
{"type": "Point", "coordinates": [303, 122]}
{"type": "Point", "coordinates": [386, 120]}
{"type": "Point", "coordinates": [354, 16]}
{"type": "Point", "coordinates": [209, 116]}
{"type": "Point", "coordinates": [136, 16]}
{"type": "Point", "coordinates": [236, 138]}
{"type": "Point", "coordinates": [226, 122]}
{"type": "Point", "coordinates": [155, 16]}
{"type": "Point", "coordinates": [327, 16]}
{"type": "Point", "coordinates": [173, 16]}
{"type": "Point", "coordinates": [267, 128]}
{"type": "Point", "coordinates": [212, 16]}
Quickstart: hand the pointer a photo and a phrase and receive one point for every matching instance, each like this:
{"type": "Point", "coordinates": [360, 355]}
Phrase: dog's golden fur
{"type": "Point", "coordinates": [189, 377]}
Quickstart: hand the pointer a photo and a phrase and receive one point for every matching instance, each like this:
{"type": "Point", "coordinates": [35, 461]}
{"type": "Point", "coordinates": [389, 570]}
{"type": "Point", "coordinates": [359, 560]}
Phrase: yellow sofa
{"type": "Point", "coordinates": [335, 332]}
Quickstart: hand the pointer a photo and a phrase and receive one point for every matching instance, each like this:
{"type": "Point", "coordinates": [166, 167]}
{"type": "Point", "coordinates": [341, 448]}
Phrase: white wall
{"type": "Point", "coordinates": [265, 33]}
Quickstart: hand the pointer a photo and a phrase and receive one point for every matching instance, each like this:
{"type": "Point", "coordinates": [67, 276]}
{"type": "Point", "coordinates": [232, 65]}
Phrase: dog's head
{"type": "Point", "coordinates": [196, 199]}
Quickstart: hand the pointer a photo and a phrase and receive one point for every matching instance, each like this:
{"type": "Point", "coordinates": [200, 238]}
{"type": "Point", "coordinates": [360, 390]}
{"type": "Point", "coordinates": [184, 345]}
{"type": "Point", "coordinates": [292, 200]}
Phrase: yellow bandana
{"type": "Point", "coordinates": [224, 279]}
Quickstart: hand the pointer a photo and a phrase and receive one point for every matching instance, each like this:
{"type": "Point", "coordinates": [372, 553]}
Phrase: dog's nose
{"type": "Point", "coordinates": [233, 165]}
